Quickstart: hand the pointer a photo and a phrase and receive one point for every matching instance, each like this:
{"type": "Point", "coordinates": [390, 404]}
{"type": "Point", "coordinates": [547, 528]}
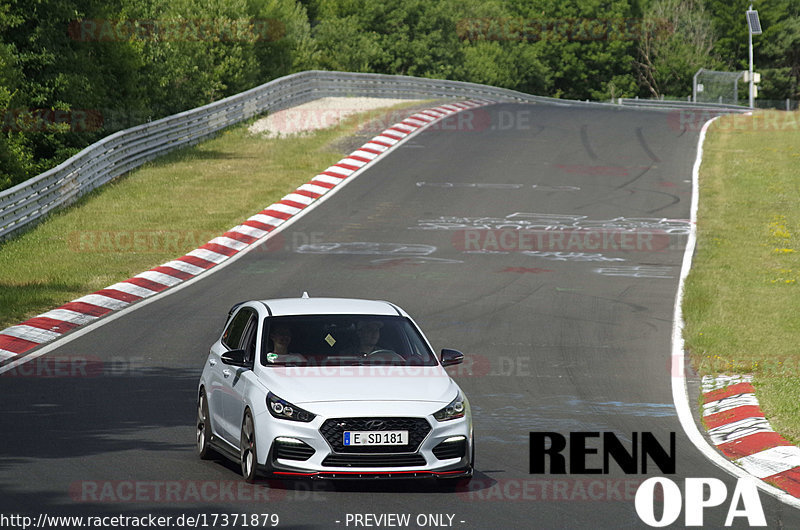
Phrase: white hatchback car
{"type": "Point", "coordinates": [332, 388]}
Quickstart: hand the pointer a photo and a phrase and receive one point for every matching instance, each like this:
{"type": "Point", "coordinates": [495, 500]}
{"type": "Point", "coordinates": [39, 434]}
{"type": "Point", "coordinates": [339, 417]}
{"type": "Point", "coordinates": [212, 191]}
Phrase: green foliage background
{"type": "Point", "coordinates": [51, 58]}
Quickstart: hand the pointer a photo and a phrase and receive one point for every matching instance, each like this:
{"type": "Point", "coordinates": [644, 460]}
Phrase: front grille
{"type": "Point", "coordinates": [333, 431]}
{"type": "Point", "coordinates": [454, 449]}
{"type": "Point", "coordinates": [374, 460]}
{"type": "Point", "coordinates": [294, 450]}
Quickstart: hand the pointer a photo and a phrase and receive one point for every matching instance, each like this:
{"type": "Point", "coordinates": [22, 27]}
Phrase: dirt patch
{"type": "Point", "coordinates": [321, 113]}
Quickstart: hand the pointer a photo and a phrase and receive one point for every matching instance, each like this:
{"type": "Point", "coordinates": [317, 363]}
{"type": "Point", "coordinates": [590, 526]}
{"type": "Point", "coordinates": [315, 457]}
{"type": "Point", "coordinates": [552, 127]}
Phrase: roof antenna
{"type": "Point", "coordinates": [305, 294]}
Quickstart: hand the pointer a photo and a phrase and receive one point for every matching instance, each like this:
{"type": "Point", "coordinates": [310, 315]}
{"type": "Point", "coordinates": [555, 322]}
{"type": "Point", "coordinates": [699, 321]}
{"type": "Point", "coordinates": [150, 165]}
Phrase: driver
{"type": "Point", "coordinates": [281, 337]}
{"type": "Point", "coordinates": [369, 333]}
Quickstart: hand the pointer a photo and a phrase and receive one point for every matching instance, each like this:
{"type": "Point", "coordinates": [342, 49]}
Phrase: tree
{"type": "Point", "coordinates": [45, 69]}
{"type": "Point", "coordinates": [494, 48]}
{"type": "Point", "coordinates": [776, 51]}
{"type": "Point", "coordinates": [587, 47]}
{"type": "Point", "coordinates": [11, 167]}
{"type": "Point", "coordinates": [779, 58]}
{"type": "Point", "coordinates": [676, 42]}
{"type": "Point", "coordinates": [406, 37]}
{"type": "Point", "coordinates": [284, 43]}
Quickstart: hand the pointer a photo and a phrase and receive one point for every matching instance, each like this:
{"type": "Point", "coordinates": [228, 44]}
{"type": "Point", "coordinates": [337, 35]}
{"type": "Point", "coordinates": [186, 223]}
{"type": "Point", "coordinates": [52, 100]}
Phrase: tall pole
{"type": "Point", "coordinates": [750, 46]}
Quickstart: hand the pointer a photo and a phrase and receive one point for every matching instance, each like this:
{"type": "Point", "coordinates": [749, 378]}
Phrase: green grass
{"type": "Point", "coordinates": [157, 213]}
{"type": "Point", "coordinates": [742, 303]}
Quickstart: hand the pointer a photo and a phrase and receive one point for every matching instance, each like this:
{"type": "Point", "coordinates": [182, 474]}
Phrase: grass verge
{"type": "Point", "coordinates": [742, 301]}
{"type": "Point", "coordinates": [161, 211]}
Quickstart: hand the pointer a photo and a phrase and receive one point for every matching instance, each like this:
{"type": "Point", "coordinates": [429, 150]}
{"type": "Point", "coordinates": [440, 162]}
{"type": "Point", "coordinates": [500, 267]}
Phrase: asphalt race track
{"type": "Point", "coordinates": [558, 339]}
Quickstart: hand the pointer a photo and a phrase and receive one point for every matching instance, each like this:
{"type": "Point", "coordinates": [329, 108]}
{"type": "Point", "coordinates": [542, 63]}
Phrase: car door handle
{"type": "Point", "coordinates": [226, 373]}
{"type": "Point", "coordinates": [212, 362]}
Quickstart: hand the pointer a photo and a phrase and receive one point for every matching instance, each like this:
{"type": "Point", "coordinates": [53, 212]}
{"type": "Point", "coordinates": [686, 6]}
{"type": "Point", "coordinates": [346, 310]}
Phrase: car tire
{"type": "Point", "coordinates": [247, 452]}
{"type": "Point", "coordinates": [204, 449]}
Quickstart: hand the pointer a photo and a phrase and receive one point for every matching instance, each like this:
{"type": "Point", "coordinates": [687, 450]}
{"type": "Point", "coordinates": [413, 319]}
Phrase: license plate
{"type": "Point", "coordinates": [375, 438]}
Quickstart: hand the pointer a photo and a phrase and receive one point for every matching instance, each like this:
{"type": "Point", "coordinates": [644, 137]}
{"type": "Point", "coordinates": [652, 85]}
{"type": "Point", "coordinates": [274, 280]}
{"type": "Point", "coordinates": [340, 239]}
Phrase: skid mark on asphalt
{"type": "Point", "coordinates": [634, 179]}
{"type": "Point", "coordinates": [673, 199]}
{"type": "Point", "coordinates": [643, 143]}
{"type": "Point", "coordinates": [585, 142]}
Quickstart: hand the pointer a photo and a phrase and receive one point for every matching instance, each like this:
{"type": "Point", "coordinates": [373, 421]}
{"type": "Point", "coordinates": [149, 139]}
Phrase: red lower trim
{"type": "Point", "coordinates": [322, 473]}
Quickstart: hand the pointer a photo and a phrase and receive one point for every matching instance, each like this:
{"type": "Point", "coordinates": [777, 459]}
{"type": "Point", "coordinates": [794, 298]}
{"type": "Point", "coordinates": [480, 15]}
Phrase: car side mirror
{"type": "Point", "coordinates": [235, 358]}
{"type": "Point", "coordinates": [451, 357]}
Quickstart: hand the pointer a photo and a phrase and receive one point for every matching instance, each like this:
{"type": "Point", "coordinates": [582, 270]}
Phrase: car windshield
{"type": "Point", "coordinates": [343, 340]}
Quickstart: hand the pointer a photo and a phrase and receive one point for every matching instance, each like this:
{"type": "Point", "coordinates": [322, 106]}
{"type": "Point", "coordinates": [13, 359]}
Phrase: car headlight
{"type": "Point", "coordinates": [282, 409]}
{"type": "Point", "coordinates": [456, 409]}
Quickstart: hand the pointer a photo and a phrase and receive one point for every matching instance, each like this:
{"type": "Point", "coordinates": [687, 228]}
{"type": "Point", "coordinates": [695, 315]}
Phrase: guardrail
{"type": "Point", "coordinates": [677, 104]}
{"type": "Point", "coordinates": [115, 155]}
